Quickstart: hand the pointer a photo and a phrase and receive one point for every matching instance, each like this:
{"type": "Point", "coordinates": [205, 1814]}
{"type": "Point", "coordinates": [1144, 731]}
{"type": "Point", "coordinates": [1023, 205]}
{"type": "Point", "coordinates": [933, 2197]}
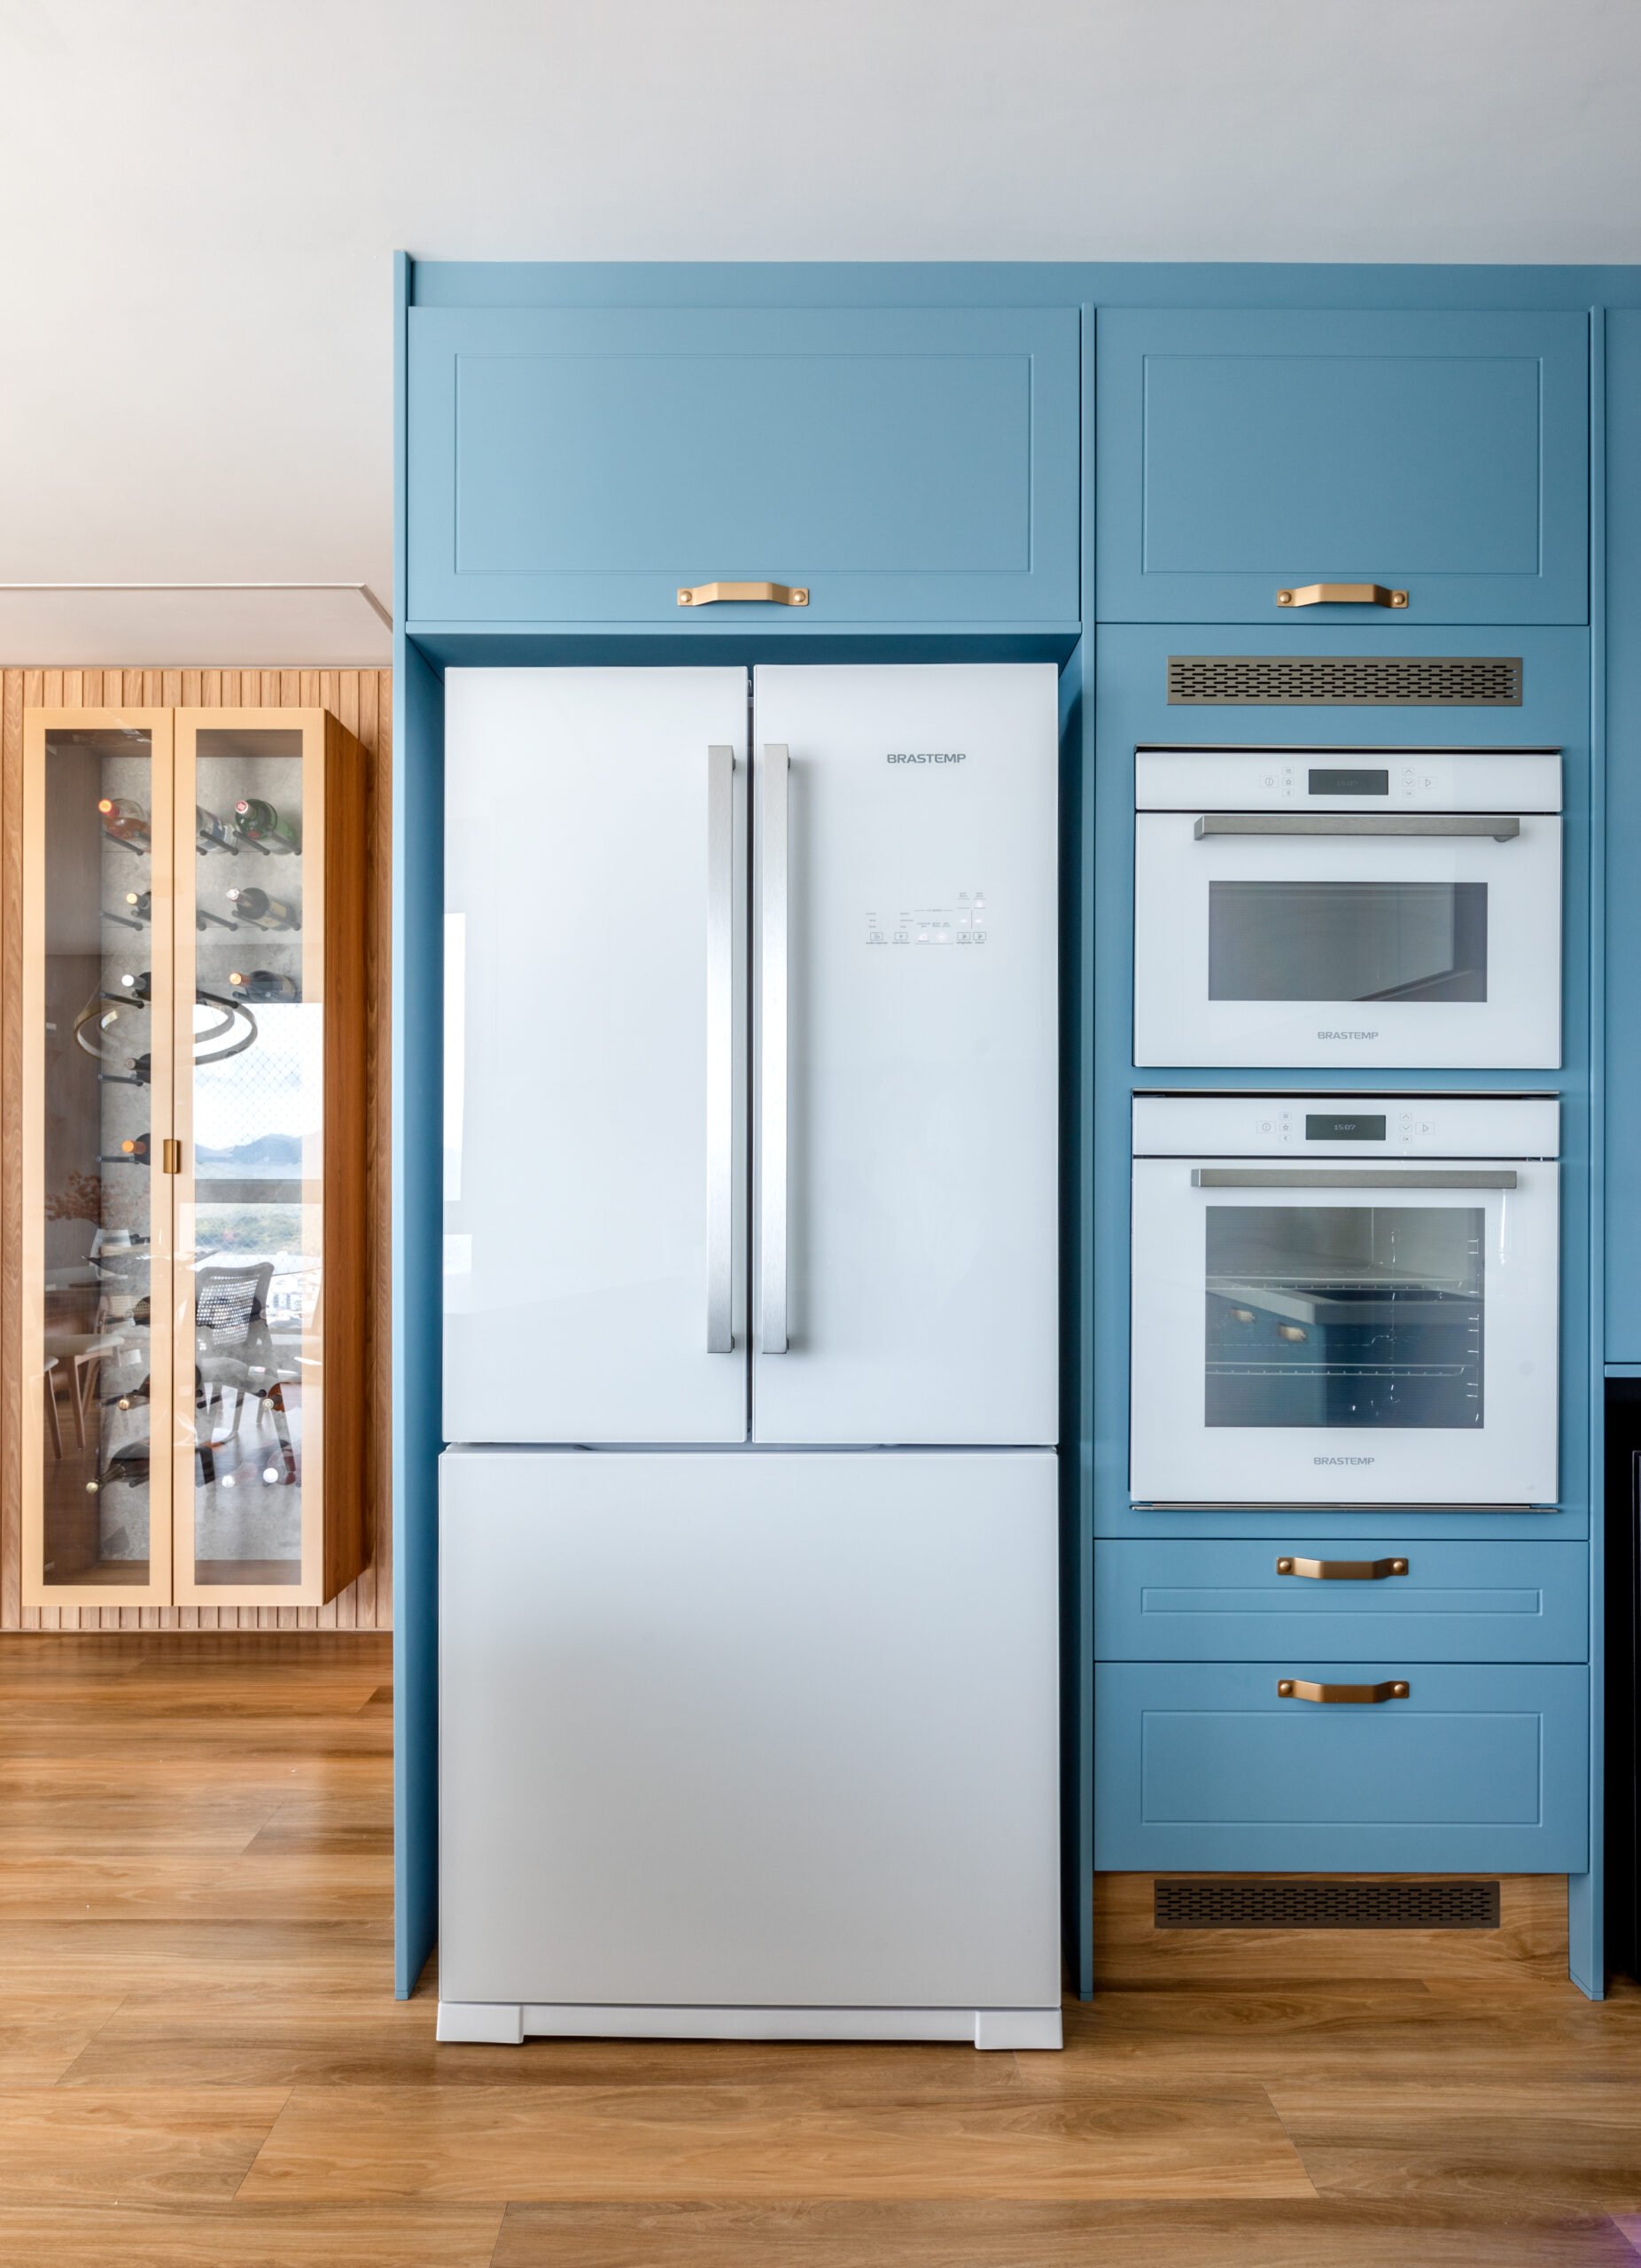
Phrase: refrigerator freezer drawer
{"type": "Point", "coordinates": [748, 1729]}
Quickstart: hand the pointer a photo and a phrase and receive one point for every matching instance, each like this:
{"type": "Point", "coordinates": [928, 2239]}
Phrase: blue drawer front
{"type": "Point", "coordinates": [1201, 1765]}
{"type": "Point", "coordinates": [1243, 452]}
{"type": "Point", "coordinates": [1223, 1600]}
{"type": "Point", "coordinates": [902, 465]}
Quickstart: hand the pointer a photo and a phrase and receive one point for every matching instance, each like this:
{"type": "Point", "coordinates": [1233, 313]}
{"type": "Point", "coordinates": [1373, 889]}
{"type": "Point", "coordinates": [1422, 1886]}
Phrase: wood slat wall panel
{"type": "Point", "coordinates": [363, 701]}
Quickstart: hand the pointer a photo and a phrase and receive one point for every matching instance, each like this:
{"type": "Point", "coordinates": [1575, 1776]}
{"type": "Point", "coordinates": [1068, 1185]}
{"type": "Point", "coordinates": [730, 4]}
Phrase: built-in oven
{"type": "Point", "coordinates": [1344, 1299]}
{"type": "Point", "coordinates": [1380, 907]}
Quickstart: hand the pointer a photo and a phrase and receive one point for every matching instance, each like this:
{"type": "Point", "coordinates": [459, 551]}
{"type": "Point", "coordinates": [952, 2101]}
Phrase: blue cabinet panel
{"type": "Point", "coordinates": [1623, 836]}
{"type": "Point", "coordinates": [1243, 452]}
{"type": "Point", "coordinates": [1201, 1765]}
{"type": "Point", "coordinates": [902, 465]}
{"type": "Point", "coordinates": [1220, 1600]}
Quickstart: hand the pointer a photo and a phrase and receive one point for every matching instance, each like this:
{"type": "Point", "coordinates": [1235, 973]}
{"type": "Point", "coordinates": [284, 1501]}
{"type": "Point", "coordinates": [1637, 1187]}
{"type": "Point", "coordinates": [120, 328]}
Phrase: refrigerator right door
{"type": "Point", "coordinates": [906, 1081]}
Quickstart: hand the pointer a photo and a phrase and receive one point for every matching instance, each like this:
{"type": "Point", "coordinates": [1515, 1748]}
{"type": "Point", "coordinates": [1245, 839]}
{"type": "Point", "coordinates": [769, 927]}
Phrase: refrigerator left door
{"type": "Point", "coordinates": [595, 891]}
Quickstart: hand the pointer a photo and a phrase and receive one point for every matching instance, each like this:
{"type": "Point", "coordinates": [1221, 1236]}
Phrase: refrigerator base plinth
{"type": "Point", "coordinates": [506, 2023]}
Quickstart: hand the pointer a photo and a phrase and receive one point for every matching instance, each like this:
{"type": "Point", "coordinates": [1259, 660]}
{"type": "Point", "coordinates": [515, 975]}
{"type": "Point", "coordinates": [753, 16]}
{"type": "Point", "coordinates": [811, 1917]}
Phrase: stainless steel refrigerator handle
{"type": "Point", "coordinates": [1502, 826]}
{"type": "Point", "coordinates": [1352, 1177]}
{"type": "Point", "coordinates": [773, 774]}
{"type": "Point", "coordinates": [720, 976]}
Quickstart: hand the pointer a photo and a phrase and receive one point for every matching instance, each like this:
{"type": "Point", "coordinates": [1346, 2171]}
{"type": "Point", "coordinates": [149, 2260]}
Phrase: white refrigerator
{"type": "Point", "coordinates": [749, 1613]}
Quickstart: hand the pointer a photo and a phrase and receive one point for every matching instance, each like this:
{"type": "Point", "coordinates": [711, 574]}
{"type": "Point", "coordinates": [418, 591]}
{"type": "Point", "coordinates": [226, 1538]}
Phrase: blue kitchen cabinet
{"type": "Point", "coordinates": [897, 466]}
{"type": "Point", "coordinates": [1217, 1598]}
{"type": "Point", "coordinates": [1244, 453]}
{"type": "Point", "coordinates": [1623, 836]}
{"type": "Point", "coordinates": [1206, 1766]}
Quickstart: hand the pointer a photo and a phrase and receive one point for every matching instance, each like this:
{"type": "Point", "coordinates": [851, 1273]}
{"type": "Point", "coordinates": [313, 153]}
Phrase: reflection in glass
{"type": "Point", "coordinates": [252, 1235]}
{"type": "Point", "coordinates": [98, 1102]}
{"type": "Point", "coordinates": [1347, 941]}
{"type": "Point", "coordinates": [1345, 1315]}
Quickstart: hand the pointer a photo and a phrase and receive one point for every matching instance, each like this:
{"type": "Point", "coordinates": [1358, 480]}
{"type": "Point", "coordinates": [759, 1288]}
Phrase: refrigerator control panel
{"type": "Point", "coordinates": [962, 922]}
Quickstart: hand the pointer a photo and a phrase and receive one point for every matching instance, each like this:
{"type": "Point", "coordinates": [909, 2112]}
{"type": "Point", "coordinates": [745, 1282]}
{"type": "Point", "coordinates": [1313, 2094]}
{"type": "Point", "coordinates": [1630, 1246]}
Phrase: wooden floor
{"type": "Point", "coordinates": [201, 2063]}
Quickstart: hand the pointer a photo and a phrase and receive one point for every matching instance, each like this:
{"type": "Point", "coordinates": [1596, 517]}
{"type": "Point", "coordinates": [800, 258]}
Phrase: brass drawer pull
{"type": "Point", "coordinates": [1341, 595]}
{"type": "Point", "coordinates": [1305, 1688]}
{"type": "Point", "coordinates": [1342, 1571]}
{"type": "Point", "coordinates": [170, 1155]}
{"type": "Point", "coordinates": [715, 593]}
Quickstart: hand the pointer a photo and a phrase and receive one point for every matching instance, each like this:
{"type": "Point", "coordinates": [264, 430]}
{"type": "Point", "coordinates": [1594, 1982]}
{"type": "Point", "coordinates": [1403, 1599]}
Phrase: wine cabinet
{"type": "Point", "coordinates": [193, 1158]}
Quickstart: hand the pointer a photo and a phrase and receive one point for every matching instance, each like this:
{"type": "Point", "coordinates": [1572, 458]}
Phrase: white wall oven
{"type": "Point", "coordinates": [1344, 1299]}
{"type": "Point", "coordinates": [1381, 907]}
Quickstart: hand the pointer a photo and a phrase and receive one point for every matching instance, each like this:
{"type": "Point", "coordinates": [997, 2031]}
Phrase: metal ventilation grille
{"type": "Point", "coordinates": [1326, 1905]}
{"type": "Point", "coordinates": [1463, 680]}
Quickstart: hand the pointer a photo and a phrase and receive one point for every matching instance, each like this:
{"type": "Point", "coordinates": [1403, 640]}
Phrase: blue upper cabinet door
{"type": "Point", "coordinates": [1244, 454]}
{"type": "Point", "coordinates": [899, 465]}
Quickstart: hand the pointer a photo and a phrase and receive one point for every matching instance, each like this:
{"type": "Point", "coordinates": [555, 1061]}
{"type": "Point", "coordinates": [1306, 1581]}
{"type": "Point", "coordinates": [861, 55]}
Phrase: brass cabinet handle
{"type": "Point", "coordinates": [715, 593]}
{"type": "Point", "coordinates": [1341, 1570]}
{"type": "Point", "coordinates": [170, 1155]}
{"type": "Point", "coordinates": [1305, 1688]}
{"type": "Point", "coordinates": [1340, 594]}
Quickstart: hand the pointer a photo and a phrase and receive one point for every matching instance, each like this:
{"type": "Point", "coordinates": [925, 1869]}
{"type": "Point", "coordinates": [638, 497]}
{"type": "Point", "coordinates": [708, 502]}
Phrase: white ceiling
{"type": "Point", "coordinates": [198, 199]}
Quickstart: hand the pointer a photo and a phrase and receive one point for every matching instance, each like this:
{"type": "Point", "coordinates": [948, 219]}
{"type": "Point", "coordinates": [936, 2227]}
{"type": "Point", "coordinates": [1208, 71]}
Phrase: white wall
{"type": "Point", "coordinates": [197, 199]}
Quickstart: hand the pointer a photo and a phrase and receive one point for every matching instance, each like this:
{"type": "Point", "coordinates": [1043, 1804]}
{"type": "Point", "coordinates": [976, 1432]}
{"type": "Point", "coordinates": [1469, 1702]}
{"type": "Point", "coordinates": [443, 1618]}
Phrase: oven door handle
{"type": "Point", "coordinates": [1501, 827]}
{"type": "Point", "coordinates": [1353, 1177]}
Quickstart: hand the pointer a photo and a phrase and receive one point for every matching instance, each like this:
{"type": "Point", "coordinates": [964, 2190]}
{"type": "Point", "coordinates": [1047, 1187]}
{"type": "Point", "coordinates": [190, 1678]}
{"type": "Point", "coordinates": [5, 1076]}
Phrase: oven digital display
{"type": "Point", "coordinates": [1349, 783]}
{"type": "Point", "coordinates": [1326, 1127]}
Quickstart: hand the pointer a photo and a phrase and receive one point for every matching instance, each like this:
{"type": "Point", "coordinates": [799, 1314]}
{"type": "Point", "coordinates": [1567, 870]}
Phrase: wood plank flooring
{"type": "Point", "coordinates": [201, 2064]}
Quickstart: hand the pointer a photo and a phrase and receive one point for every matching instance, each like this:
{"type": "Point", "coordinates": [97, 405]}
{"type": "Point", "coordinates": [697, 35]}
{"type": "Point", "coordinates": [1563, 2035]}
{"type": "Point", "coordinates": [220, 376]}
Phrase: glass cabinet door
{"type": "Point", "coordinates": [249, 1039]}
{"type": "Point", "coordinates": [97, 1116]}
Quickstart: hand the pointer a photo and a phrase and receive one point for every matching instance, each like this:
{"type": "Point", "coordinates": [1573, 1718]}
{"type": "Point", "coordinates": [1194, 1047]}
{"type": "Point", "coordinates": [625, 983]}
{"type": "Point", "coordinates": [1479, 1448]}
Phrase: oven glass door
{"type": "Point", "coordinates": [1350, 1334]}
{"type": "Point", "coordinates": [1298, 948]}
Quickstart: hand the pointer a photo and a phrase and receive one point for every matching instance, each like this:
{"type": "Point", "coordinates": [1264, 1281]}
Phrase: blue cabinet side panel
{"type": "Point", "coordinates": [417, 1246]}
{"type": "Point", "coordinates": [1076, 1500]}
{"type": "Point", "coordinates": [1624, 837]}
{"type": "Point", "coordinates": [1244, 450]}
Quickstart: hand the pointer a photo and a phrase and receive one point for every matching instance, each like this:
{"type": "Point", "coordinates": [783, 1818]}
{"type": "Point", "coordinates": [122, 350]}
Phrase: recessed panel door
{"type": "Point", "coordinates": [879, 464]}
{"type": "Point", "coordinates": [906, 1082]}
{"type": "Point", "coordinates": [1277, 465]}
{"type": "Point", "coordinates": [594, 1055]}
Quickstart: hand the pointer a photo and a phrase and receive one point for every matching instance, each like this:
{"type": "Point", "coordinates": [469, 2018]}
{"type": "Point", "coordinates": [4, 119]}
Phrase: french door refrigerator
{"type": "Point", "coordinates": [749, 1541]}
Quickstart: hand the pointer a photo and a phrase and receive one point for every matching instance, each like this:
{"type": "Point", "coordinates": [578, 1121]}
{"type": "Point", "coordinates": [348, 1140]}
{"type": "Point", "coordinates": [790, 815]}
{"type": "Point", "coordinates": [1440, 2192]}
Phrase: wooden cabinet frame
{"type": "Point", "coordinates": [335, 1541]}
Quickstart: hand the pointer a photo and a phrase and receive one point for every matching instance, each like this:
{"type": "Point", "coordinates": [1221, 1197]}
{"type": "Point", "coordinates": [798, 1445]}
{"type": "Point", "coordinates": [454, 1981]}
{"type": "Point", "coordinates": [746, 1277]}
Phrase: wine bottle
{"type": "Point", "coordinates": [264, 984]}
{"type": "Point", "coordinates": [136, 986]}
{"type": "Point", "coordinates": [132, 1152]}
{"type": "Point", "coordinates": [141, 903]}
{"type": "Point", "coordinates": [128, 1463]}
{"type": "Point", "coordinates": [263, 912]}
{"type": "Point", "coordinates": [211, 833]}
{"type": "Point", "coordinates": [139, 1072]}
{"type": "Point", "coordinates": [126, 822]}
{"type": "Point", "coordinates": [258, 822]}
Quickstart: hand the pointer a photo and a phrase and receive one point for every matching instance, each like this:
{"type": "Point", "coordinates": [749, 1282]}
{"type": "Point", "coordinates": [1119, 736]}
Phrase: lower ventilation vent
{"type": "Point", "coordinates": [1326, 1904]}
{"type": "Point", "coordinates": [1362, 681]}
